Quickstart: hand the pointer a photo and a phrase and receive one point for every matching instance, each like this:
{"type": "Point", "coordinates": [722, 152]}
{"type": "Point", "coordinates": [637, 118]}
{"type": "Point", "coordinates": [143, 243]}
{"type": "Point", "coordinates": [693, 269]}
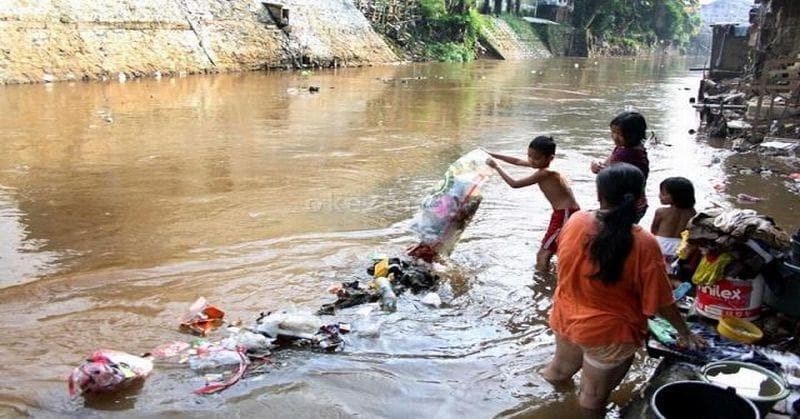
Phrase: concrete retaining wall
{"type": "Point", "coordinates": [48, 40]}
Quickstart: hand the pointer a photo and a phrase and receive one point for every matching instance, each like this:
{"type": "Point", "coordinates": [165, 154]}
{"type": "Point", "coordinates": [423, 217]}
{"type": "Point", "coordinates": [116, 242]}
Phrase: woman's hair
{"type": "Point", "coordinates": [619, 187]}
{"type": "Point", "coordinates": [633, 127]}
{"type": "Point", "coordinates": [680, 190]}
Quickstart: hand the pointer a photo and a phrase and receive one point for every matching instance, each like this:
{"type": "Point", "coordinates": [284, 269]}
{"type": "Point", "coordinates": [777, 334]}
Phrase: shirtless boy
{"type": "Point", "coordinates": [541, 152]}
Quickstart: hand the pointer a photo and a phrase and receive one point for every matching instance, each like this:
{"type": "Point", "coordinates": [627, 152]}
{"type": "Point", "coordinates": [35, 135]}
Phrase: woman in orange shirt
{"type": "Point", "coordinates": [611, 278]}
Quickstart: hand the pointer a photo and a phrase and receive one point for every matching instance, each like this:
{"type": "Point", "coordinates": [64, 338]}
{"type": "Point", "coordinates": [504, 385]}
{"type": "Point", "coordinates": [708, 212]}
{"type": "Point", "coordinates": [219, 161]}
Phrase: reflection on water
{"type": "Point", "coordinates": [122, 203]}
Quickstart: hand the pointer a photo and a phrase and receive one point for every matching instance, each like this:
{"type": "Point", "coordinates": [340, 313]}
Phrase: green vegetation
{"type": "Point", "coordinates": [450, 36]}
{"type": "Point", "coordinates": [633, 25]}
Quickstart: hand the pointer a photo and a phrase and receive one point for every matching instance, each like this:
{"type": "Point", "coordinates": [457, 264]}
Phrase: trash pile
{"type": "Point", "coordinates": [442, 217]}
{"type": "Point", "coordinates": [388, 278]}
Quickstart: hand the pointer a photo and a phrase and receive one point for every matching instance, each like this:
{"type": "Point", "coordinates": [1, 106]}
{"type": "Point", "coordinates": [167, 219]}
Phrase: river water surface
{"type": "Point", "coordinates": [120, 204]}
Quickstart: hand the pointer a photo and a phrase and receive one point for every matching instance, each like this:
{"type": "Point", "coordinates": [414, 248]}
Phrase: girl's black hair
{"type": "Point", "coordinates": [619, 186]}
{"type": "Point", "coordinates": [681, 190]}
{"type": "Point", "coordinates": [633, 127]}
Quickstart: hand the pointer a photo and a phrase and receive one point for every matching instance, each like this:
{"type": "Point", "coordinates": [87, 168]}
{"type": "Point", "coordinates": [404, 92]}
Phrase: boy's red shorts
{"type": "Point", "coordinates": [557, 221]}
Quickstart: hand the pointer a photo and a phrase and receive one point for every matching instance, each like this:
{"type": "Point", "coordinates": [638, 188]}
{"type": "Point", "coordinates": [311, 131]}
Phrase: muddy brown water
{"type": "Point", "coordinates": [122, 203]}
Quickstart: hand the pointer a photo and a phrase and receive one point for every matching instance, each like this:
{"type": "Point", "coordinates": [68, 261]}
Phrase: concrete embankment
{"type": "Point", "coordinates": [509, 44]}
{"type": "Point", "coordinates": [52, 40]}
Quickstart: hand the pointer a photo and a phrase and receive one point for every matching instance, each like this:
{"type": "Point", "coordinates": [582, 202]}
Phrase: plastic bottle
{"type": "Point", "coordinates": [388, 297]}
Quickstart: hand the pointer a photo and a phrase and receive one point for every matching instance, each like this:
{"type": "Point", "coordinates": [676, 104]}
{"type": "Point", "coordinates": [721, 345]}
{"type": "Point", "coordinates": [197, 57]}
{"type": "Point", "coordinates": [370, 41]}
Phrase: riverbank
{"type": "Point", "coordinates": [104, 39]}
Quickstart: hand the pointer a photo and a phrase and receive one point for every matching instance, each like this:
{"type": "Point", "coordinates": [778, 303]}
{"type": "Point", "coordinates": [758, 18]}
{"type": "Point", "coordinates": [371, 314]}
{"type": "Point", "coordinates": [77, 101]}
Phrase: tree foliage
{"type": "Point", "coordinates": [639, 22]}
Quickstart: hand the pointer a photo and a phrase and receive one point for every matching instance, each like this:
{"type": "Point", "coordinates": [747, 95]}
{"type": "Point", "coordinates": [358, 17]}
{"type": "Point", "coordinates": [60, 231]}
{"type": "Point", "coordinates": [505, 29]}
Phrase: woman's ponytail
{"type": "Point", "coordinates": [619, 186]}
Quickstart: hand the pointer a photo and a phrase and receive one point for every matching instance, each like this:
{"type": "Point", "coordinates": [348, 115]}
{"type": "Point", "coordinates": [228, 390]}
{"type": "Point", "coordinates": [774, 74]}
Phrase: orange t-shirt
{"type": "Point", "coordinates": [588, 312]}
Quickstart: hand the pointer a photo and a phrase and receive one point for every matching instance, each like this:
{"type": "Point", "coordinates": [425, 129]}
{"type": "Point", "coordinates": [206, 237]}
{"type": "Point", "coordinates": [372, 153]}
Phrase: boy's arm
{"type": "Point", "coordinates": [512, 160]}
{"type": "Point", "coordinates": [656, 222]}
{"type": "Point", "coordinates": [527, 181]}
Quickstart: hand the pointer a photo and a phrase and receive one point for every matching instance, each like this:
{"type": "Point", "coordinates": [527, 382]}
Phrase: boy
{"type": "Point", "coordinates": [541, 152]}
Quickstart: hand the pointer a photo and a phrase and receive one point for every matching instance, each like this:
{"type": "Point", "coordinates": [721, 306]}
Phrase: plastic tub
{"type": "Point", "coordinates": [698, 399]}
{"type": "Point", "coordinates": [755, 383]}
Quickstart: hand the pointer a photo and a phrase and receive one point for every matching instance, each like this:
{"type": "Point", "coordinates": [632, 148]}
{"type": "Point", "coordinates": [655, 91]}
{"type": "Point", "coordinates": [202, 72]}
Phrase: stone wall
{"type": "Point", "coordinates": [48, 40]}
{"type": "Point", "coordinates": [508, 44]}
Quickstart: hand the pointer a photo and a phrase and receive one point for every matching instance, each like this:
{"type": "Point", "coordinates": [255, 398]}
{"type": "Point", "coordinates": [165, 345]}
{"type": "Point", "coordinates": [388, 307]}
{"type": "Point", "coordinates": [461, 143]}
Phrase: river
{"type": "Point", "coordinates": [121, 203]}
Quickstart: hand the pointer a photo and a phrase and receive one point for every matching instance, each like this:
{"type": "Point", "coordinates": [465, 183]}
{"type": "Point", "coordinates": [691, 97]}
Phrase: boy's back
{"type": "Point", "coordinates": [671, 221]}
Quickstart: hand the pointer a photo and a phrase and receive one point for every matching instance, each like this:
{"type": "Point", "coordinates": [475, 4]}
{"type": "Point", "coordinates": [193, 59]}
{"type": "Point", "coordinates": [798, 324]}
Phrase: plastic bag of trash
{"type": "Point", "coordinates": [251, 342]}
{"type": "Point", "coordinates": [108, 371]}
{"type": "Point", "coordinates": [288, 324]}
{"type": "Point", "coordinates": [446, 211]}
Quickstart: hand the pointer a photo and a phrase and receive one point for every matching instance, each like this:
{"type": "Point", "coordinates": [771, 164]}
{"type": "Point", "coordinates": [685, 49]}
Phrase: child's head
{"type": "Point", "coordinates": [628, 129]}
{"type": "Point", "coordinates": [541, 151]}
{"type": "Point", "coordinates": [677, 191]}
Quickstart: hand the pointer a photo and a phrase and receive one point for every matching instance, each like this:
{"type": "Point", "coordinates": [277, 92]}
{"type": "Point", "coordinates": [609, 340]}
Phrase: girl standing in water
{"type": "Point", "coordinates": [628, 131]}
{"type": "Point", "coordinates": [611, 278]}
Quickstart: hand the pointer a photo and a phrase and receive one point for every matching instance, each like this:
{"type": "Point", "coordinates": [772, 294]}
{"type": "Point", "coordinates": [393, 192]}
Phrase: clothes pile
{"type": "Point", "coordinates": [729, 243]}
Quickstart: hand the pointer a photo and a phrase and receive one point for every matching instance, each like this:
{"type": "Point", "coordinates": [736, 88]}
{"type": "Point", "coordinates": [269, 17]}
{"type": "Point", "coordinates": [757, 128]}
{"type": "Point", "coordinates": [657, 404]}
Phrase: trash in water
{"type": "Point", "coordinates": [388, 297]}
{"type": "Point", "coordinates": [202, 317]}
{"type": "Point", "coordinates": [108, 371]}
{"type": "Point", "coordinates": [432, 299]}
{"type": "Point", "coordinates": [743, 197]}
{"type": "Point", "coordinates": [288, 324]}
{"type": "Point", "coordinates": [169, 350]}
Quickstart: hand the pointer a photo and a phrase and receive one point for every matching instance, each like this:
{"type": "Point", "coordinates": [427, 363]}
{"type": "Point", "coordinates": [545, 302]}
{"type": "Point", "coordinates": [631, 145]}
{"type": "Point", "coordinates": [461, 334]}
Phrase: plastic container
{"type": "Point", "coordinates": [739, 330]}
{"type": "Point", "coordinates": [697, 399]}
{"type": "Point", "coordinates": [731, 297]}
{"type": "Point", "coordinates": [757, 384]}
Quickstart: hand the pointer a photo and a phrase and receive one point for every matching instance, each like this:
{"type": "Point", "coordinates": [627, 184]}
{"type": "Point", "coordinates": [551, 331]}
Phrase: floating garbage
{"type": "Point", "coordinates": [743, 197]}
{"type": "Point", "coordinates": [108, 371]}
{"type": "Point", "coordinates": [288, 324]}
{"type": "Point", "coordinates": [388, 297]}
{"type": "Point", "coordinates": [202, 317]}
{"type": "Point", "coordinates": [432, 299]}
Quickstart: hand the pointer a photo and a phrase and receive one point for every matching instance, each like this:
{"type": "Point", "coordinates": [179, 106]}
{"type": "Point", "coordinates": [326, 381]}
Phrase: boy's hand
{"type": "Point", "coordinates": [491, 163]}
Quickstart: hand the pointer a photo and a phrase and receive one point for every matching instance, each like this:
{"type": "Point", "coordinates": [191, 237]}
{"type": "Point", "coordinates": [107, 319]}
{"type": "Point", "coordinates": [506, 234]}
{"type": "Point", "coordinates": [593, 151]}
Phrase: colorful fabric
{"type": "Point", "coordinates": [588, 312]}
{"type": "Point", "coordinates": [557, 221]}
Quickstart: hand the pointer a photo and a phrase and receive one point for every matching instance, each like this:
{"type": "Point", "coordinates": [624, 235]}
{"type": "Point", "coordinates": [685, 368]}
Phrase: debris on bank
{"type": "Point", "coordinates": [750, 92]}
